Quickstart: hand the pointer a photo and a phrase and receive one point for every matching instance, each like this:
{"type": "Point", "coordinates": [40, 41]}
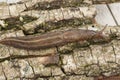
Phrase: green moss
{"type": "Point", "coordinates": [66, 51]}
{"type": "Point", "coordinates": [73, 23]}
{"type": "Point", "coordinates": [113, 36]}
{"type": "Point", "coordinates": [16, 23]}
{"type": "Point", "coordinates": [56, 4]}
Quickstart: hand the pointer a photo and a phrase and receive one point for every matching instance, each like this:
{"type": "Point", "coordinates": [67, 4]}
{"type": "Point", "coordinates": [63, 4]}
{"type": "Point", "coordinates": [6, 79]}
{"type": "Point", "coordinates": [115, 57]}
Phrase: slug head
{"type": "Point", "coordinates": [100, 37]}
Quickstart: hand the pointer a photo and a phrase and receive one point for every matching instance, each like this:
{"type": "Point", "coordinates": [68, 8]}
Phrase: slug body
{"type": "Point", "coordinates": [52, 39]}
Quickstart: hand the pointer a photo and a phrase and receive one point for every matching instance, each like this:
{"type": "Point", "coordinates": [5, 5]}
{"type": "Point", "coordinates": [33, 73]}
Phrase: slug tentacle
{"type": "Point", "coordinates": [100, 32]}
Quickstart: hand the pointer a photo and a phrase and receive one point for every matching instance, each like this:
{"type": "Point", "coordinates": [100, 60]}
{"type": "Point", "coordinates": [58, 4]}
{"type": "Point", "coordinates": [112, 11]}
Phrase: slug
{"type": "Point", "coordinates": [53, 39]}
{"type": "Point", "coordinates": [114, 77]}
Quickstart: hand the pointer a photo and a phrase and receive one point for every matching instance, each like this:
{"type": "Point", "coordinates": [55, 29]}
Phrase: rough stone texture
{"type": "Point", "coordinates": [2, 76]}
{"type": "Point", "coordinates": [67, 13]}
{"type": "Point", "coordinates": [104, 1]}
{"type": "Point", "coordinates": [73, 61]}
{"type": "Point", "coordinates": [15, 9]}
